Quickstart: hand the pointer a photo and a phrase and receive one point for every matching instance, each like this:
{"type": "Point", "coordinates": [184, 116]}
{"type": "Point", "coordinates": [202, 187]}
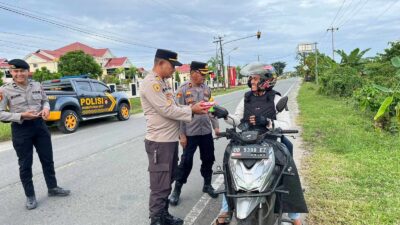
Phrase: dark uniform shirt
{"type": "Point", "coordinates": [15, 100]}
{"type": "Point", "coordinates": [200, 125]}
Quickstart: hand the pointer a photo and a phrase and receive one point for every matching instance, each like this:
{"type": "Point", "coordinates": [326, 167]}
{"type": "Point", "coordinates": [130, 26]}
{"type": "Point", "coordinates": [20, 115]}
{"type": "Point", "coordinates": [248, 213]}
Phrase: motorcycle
{"type": "Point", "coordinates": [255, 163]}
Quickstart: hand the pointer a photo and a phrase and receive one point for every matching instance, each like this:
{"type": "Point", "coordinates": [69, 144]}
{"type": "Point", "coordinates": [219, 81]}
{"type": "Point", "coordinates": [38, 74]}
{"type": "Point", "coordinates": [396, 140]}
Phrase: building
{"type": "Point", "coordinates": [103, 56]}
{"type": "Point", "coordinates": [184, 72]}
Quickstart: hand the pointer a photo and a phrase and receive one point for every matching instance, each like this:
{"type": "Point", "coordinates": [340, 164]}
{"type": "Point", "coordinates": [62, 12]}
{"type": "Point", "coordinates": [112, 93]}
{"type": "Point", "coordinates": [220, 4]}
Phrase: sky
{"type": "Point", "coordinates": [137, 28]}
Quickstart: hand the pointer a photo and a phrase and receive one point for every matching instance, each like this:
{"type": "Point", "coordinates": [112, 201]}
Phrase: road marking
{"type": "Point", "coordinates": [202, 203]}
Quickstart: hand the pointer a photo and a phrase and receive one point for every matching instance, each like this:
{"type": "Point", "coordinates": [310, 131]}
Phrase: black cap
{"type": "Point", "coordinates": [18, 64]}
{"type": "Point", "coordinates": [200, 66]}
{"type": "Point", "coordinates": [168, 55]}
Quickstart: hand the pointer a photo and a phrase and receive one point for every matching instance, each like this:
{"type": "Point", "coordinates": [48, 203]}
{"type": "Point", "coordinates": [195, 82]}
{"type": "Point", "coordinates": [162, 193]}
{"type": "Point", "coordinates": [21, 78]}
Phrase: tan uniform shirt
{"type": "Point", "coordinates": [161, 111]}
{"type": "Point", "coordinates": [15, 100]}
{"type": "Point", "coordinates": [201, 124]}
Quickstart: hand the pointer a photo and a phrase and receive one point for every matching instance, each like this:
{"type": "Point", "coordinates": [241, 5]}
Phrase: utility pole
{"type": "Point", "coordinates": [316, 63]}
{"type": "Point", "coordinates": [332, 29]}
{"type": "Point", "coordinates": [219, 40]}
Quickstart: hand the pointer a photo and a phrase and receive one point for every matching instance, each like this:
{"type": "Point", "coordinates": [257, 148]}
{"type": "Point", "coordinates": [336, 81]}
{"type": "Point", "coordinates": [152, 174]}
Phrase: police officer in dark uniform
{"type": "Point", "coordinates": [163, 116]}
{"type": "Point", "coordinates": [25, 104]}
{"type": "Point", "coordinates": [197, 133]}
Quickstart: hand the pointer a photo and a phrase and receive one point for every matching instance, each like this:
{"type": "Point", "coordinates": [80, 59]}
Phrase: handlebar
{"type": "Point", "coordinates": [289, 131]}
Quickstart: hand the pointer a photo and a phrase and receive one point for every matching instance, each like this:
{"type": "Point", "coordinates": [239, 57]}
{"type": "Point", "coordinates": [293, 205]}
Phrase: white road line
{"type": "Point", "coordinates": [202, 203]}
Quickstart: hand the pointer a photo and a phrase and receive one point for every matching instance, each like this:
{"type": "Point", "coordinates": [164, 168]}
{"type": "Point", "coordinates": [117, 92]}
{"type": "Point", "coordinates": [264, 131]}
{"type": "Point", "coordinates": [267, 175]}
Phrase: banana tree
{"type": "Point", "coordinates": [394, 93]}
{"type": "Point", "coordinates": [354, 59]}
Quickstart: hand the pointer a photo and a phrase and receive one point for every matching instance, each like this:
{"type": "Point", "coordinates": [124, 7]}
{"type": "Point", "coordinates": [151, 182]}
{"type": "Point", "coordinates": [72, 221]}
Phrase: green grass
{"type": "Point", "coordinates": [5, 131]}
{"type": "Point", "coordinates": [353, 171]}
{"type": "Point", "coordinates": [136, 106]}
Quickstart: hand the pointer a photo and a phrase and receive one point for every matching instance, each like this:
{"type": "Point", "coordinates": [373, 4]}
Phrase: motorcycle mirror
{"type": "Point", "coordinates": [281, 105]}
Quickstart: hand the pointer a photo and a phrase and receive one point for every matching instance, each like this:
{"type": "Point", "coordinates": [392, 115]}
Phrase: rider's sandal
{"type": "Point", "coordinates": [223, 219]}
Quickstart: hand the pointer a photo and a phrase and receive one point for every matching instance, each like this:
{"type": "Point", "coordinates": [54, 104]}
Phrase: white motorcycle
{"type": "Point", "coordinates": [254, 165]}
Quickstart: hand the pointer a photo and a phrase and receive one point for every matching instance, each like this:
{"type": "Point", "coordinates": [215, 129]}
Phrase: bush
{"type": "Point", "coordinates": [340, 81]}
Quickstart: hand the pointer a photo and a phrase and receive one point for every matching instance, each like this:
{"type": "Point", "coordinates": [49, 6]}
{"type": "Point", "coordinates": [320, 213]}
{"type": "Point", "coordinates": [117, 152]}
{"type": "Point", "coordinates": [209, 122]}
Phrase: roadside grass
{"type": "Point", "coordinates": [136, 106]}
{"type": "Point", "coordinates": [5, 131]}
{"type": "Point", "coordinates": [353, 171]}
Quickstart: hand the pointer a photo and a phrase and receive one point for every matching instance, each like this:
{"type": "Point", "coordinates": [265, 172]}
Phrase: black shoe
{"type": "Point", "coordinates": [157, 220]}
{"type": "Point", "coordinates": [174, 198]}
{"type": "Point", "coordinates": [172, 220]}
{"type": "Point", "coordinates": [210, 191]}
{"type": "Point", "coordinates": [31, 202]}
{"type": "Point", "coordinates": [57, 191]}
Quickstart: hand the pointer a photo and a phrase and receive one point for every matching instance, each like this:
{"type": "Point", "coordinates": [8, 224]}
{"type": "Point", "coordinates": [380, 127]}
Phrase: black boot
{"type": "Point", "coordinates": [57, 191]}
{"type": "Point", "coordinates": [207, 188]}
{"type": "Point", "coordinates": [170, 219]}
{"type": "Point", "coordinates": [31, 202]}
{"type": "Point", "coordinates": [157, 220]}
{"type": "Point", "coordinates": [174, 198]}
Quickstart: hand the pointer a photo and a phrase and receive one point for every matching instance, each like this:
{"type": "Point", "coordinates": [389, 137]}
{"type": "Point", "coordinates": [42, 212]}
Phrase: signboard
{"type": "Point", "coordinates": [306, 47]}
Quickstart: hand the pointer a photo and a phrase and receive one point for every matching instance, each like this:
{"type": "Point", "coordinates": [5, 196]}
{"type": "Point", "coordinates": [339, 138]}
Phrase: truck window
{"type": "Point", "coordinates": [58, 86]}
{"type": "Point", "coordinates": [100, 87]}
{"type": "Point", "coordinates": [83, 85]}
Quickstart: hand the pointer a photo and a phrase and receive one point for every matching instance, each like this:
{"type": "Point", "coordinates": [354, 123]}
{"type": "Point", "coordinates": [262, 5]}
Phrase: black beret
{"type": "Point", "coordinates": [18, 64]}
{"type": "Point", "coordinates": [200, 66]}
{"type": "Point", "coordinates": [168, 55]}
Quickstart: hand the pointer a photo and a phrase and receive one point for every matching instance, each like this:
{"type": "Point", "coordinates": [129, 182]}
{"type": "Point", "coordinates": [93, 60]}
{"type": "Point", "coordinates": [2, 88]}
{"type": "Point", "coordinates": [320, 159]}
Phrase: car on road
{"type": "Point", "coordinates": [73, 100]}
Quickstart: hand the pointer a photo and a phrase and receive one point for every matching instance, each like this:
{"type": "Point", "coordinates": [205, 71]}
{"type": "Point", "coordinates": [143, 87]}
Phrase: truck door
{"type": "Point", "coordinates": [108, 102]}
{"type": "Point", "coordinates": [86, 97]}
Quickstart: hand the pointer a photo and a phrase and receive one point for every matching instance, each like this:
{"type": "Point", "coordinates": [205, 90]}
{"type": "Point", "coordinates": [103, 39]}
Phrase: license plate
{"type": "Point", "coordinates": [249, 152]}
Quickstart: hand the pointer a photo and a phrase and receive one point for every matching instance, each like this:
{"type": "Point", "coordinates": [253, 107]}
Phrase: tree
{"type": "Point", "coordinates": [324, 63]}
{"type": "Point", "coordinates": [279, 67]}
{"type": "Point", "coordinates": [1, 77]}
{"type": "Point", "coordinates": [43, 74]}
{"type": "Point", "coordinates": [238, 69]}
{"type": "Point", "coordinates": [177, 77]}
{"type": "Point", "coordinates": [391, 52]}
{"type": "Point", "coordinates": [354, 59]}
{"type": "Point", "coordinates": [78, 63]}
{"type": "Point", "coordinates": [131, 73]}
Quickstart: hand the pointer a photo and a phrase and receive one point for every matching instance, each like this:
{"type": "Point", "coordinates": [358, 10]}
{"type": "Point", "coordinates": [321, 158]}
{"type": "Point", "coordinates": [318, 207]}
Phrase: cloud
{"type": "Point", "coordinates": [190, 26]}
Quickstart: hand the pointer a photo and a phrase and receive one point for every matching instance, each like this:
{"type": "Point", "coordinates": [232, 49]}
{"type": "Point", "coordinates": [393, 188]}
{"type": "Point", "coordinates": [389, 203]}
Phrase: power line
{"type": "Point", "coordinates": [355, 13]}
{"type": "Point", "coordinates": [79, 30]}
{"type": "Point", "coordinates": [337, 13]}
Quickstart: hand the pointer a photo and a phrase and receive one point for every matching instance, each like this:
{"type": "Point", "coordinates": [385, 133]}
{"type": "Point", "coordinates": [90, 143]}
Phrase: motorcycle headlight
{"type": "Point", "coordinates": [254, 179]}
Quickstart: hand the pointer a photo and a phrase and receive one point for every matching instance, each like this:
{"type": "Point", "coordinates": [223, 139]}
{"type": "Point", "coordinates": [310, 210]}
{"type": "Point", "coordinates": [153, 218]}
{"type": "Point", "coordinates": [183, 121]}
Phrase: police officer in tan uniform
{"type": "Point", "coordinates": [25, 104]}
{"type": "Point", "coordinates": [163, 116]}
{"type": "Point", "coordinates": [197, 133]}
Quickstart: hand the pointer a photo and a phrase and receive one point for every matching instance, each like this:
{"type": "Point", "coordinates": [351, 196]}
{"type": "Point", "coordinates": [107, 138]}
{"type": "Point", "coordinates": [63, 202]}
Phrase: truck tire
{"type": "Point", "coordinates": [123, 112]}
{"type": "Point", "coordinates": [69, 122]}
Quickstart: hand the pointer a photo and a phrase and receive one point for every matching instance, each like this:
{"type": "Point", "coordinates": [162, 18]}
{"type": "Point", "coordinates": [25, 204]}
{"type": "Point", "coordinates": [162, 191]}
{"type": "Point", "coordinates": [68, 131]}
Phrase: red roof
{"type": "Point", "coordinates": [79, 46]}
{"type": "Point", "coordinates": [185, 68]}
{"type": "Point", "coordinates": [42, 56]}
{"type": "Point", "coordinates": [116, 62]}
{"type": "Point", "coordinates": [4, 64]}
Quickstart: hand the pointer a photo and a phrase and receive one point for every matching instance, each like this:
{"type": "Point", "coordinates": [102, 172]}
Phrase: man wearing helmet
{"type": "Point", "coordinates": [258, 109]}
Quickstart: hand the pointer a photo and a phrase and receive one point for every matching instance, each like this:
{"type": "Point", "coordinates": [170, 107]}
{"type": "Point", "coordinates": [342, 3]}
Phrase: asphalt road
{"type": "Point", "coordinates": [105, 166]}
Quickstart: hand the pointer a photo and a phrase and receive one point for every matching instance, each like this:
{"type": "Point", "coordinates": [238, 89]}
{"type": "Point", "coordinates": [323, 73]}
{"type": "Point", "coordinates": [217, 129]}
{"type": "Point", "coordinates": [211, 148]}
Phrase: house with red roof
{"type": "Point", "coordinates": [103, 56]}
{"type": "Point", "coordinates": [184, 72]}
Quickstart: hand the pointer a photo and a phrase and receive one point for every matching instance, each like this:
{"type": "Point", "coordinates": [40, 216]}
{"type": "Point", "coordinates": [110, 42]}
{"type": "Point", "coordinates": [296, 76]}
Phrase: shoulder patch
{"type": "Point", "coordinates": [156, 87]}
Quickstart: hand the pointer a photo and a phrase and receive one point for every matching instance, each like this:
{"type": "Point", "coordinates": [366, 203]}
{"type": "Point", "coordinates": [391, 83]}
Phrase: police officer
{"type": "Point", "coordinates": [25, 104]}
{"type": "Point", "coordinates": [197, 133]}
{"type": "Point", "coordinates": [162, 115]}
